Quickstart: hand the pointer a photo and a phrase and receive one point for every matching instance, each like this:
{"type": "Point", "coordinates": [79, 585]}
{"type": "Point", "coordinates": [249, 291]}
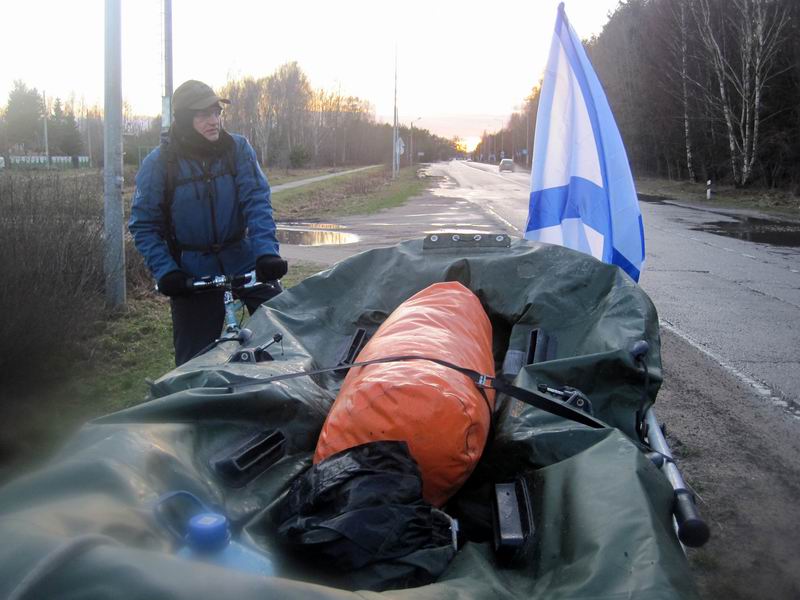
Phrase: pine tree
{"type": "Point", "coordinates": [55, 128]}
{"type": "Point", "coordinates": [23, 114]}
{"type": "Point", "coordinates": [71, 143]}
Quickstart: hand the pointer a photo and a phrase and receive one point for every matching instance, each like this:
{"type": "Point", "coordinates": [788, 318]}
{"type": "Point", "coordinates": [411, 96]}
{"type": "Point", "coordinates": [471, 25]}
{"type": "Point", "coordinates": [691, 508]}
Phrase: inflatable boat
{"type": "Point", "coordinates": [568, 498]}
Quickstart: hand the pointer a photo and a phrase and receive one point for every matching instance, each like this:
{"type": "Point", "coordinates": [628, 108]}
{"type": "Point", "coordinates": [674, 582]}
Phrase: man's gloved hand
{"type": "Point", "coordinates": [270, 267]}
{"type": "Point", "coordinates": [174, 283]}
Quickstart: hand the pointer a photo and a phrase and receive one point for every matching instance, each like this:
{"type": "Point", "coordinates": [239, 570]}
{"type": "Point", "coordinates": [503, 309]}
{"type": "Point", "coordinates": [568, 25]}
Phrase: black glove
{"type": "Point", "coordinates": [174, 283]}
{"type": "Point", "coordinates": [270, 267]}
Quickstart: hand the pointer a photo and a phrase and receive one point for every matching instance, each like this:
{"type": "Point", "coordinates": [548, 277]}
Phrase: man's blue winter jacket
{"type": "Point", "coordinates": [206, 211]}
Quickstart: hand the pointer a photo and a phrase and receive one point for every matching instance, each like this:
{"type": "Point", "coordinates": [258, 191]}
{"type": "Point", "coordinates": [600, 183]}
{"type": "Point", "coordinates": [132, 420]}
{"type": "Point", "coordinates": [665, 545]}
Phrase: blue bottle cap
{"type": "Point", "coordinates": [208, 532]}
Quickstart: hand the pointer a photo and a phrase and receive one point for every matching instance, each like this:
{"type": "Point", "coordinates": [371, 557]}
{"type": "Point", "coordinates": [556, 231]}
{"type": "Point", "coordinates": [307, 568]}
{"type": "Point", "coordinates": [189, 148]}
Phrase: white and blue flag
{"type": "Point", "coordinates": [582, 193]}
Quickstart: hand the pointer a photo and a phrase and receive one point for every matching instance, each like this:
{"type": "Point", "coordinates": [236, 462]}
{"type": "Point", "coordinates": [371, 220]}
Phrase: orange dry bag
{"type": "Point", "coordinates": [438, 411]}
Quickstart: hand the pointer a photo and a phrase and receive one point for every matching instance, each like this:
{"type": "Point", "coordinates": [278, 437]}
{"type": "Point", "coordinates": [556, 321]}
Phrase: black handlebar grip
{"type": "Point", "coordinates": [692, 530]}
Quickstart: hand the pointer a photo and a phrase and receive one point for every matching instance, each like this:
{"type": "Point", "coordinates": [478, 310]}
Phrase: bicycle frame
{"type": "Point", "coordinates": [215, 282]}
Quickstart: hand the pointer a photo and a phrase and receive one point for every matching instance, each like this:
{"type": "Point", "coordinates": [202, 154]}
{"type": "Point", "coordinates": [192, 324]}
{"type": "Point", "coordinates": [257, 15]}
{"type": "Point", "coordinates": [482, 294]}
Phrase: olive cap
{"type": "Point", "coordinates": [195, 95]}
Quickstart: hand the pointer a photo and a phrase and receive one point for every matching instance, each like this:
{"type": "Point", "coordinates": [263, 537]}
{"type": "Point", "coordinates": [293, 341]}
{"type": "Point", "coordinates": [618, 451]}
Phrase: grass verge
{"type": "Point", "coordinates": [364, 192]}
{"type": "Point", "coordinates": [38, 415]}
{"type": "Point", "coordinates": [773, 201]}
{"type": "Point", "coordinates": [107, 372]}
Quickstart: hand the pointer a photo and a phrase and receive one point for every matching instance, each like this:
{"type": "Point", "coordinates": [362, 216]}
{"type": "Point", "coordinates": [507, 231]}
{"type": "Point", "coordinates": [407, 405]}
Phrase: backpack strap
{"type": "Point", "coordinates": [170, 160]}
{"type": "Point", "coordinates": [172, 182]}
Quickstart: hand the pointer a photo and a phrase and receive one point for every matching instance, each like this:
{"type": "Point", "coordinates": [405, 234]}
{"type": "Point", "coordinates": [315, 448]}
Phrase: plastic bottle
{"type": "Point", "coordinates": [208, 539]}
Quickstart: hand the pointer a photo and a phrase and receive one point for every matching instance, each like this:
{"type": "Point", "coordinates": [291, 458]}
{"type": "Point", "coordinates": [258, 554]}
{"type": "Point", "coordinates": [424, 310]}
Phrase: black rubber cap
{"type": "Point", "coordinates": [692, 530]}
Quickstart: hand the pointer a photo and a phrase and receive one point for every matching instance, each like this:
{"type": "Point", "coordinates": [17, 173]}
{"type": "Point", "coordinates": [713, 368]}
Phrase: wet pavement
{"type": "Point", "coordinates": [751, 229]}
{"type": "Point", "coordinates": [728, 283]}
{"type": "Point", "coordinates": [760, 229]}
{"type": "Point", "coordinates": [430, 213]}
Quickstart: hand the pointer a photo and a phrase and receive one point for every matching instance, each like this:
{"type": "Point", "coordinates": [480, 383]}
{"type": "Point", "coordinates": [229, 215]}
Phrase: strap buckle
{"type": "Point", "coordinates": [485, 381]}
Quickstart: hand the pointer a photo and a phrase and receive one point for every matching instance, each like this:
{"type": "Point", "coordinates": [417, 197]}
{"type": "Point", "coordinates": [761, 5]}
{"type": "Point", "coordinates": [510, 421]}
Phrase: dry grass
{"type": "Point", "coordinates": [726, 196]}
{"type": "Point", "coordinates": [358, 193]}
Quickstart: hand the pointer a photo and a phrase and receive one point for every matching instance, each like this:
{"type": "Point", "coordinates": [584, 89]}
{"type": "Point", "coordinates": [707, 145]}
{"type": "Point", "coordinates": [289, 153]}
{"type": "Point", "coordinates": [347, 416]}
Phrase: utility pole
{"type": "Point", "coordinates": [513, 148]}
{"type": "Point", "coordinates": [89, 139]}
{"type": "Point", "coordinates": [112, 157]}
{"type": "Point", "coordinates": [411, 153]}
{"type": "Point", "coordinates": [166, 99]}
{"type": "Point", "coordinates": [395, 157]}
{"type": "Point", "coordinates": [528, 137]}
{"type": "Point", "coordinates": [411, 146]}
{"type": "Point", "coordinates": [46, 115]}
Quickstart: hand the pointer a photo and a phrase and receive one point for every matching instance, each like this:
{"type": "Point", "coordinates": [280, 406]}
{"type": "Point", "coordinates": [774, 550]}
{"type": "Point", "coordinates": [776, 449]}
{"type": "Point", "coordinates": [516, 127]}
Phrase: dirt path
{"type": "Point", "coordinates": [741, 455]}
{"type": "Point", "coordinates": [301, 182]}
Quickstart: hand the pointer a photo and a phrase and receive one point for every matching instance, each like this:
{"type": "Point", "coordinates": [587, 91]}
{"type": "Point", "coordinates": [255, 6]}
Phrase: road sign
{"type": "Point", "coordinates": [401, 146]}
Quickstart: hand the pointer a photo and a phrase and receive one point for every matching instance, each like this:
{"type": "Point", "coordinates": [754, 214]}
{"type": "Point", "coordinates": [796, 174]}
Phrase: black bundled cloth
{"type": "Point", "coordinates": [359, 521]}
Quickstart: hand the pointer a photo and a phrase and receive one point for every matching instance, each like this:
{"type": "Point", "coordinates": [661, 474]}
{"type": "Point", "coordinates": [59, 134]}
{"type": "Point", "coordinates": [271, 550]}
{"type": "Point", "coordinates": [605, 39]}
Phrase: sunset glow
{"type": "Point", "coordinates": [346, 46]}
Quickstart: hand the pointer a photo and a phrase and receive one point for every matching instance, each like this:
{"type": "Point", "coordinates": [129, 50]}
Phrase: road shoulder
{"type": "Point", "coordinates": [739, 452]}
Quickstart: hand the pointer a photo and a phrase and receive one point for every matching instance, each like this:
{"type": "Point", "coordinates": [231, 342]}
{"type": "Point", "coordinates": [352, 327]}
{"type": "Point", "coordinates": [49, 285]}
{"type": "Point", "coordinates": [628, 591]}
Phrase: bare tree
{"type": "Point", "coordinates": [291, 92]}
{"type": "Point", "coordinates": [742, 63]}
{"type": "Point", "coordinates": [683, 29]}
{"type": "Point", "coordinates": [288, 123]}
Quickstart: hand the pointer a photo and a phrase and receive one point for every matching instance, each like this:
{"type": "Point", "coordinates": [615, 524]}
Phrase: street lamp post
{"type": "Point", "coordinates": [166, 99]}
{"type": "Point", "coordinates": [411, 151]}
{"type": "Point", "coordinates": [528, 137]}
{"type": "Point", "coordinates": [502, 139]}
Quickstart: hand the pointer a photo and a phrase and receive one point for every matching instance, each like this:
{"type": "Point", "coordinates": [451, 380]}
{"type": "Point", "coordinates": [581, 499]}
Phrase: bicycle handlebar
{"type": "Point", "coordinates": [215, 282]}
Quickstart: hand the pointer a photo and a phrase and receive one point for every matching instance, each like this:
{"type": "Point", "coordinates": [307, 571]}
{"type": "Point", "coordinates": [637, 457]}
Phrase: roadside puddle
{"type": "Point", "coordinates": [751, 229]}
{"type": "Point", "coordinates": [314, 234]}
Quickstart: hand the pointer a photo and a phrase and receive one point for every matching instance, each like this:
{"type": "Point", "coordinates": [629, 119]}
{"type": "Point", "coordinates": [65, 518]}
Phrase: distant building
{"type": "Point", "coordinates": [38, 161]}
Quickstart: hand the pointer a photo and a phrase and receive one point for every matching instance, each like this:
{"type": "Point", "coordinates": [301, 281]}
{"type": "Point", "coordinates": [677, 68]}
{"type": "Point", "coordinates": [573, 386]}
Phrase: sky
{"type": "Point", "coordinates": [462, 66]}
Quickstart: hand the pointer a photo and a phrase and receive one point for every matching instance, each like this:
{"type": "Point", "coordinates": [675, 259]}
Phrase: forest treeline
{"type": "Point", "coordinates": [700, 89]}
{"type": "Point", "coordinates": [289, 123]}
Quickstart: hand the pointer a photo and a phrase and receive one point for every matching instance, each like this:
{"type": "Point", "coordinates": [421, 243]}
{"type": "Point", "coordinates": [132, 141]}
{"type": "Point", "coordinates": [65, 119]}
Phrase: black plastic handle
{"type": "Point", "coordinates": [692, 530]}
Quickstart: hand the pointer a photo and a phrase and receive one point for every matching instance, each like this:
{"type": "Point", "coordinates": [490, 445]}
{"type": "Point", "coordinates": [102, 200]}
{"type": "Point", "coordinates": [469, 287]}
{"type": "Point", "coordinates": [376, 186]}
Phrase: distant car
{"type": "Point", "coordinates": [506, 165]}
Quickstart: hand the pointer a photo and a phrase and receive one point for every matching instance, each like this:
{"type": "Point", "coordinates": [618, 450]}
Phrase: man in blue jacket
{"type": "Point", "coordinates": [202, 207]}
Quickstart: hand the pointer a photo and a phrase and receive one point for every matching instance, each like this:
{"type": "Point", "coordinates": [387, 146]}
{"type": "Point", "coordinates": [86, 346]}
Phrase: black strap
{"type": "Point", "coordinates": [215, 248]}
{"type": "Point", "coordinates": [482, 381]}
{"type": "Point", "coordinates": [171, 170]}
{"type": "Point", "coordinates": [204, 177]}
{"type": "Point", "coordinates": [172, 182]}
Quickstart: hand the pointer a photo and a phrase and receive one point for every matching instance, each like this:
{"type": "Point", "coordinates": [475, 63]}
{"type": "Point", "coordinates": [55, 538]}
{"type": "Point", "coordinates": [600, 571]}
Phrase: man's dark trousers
{"type": "Point", "coordinates": [197, 319]}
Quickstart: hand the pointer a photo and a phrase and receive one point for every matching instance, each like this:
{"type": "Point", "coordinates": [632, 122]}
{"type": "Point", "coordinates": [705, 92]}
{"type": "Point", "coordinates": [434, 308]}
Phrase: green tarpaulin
{"type": "Point", "coordinates": [82, 526]}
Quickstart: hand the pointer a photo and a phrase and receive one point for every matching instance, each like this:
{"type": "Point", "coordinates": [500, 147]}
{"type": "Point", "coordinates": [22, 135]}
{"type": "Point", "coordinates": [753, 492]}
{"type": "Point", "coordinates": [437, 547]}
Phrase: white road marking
{"type": "Point", "coordinates": [761, 389]}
